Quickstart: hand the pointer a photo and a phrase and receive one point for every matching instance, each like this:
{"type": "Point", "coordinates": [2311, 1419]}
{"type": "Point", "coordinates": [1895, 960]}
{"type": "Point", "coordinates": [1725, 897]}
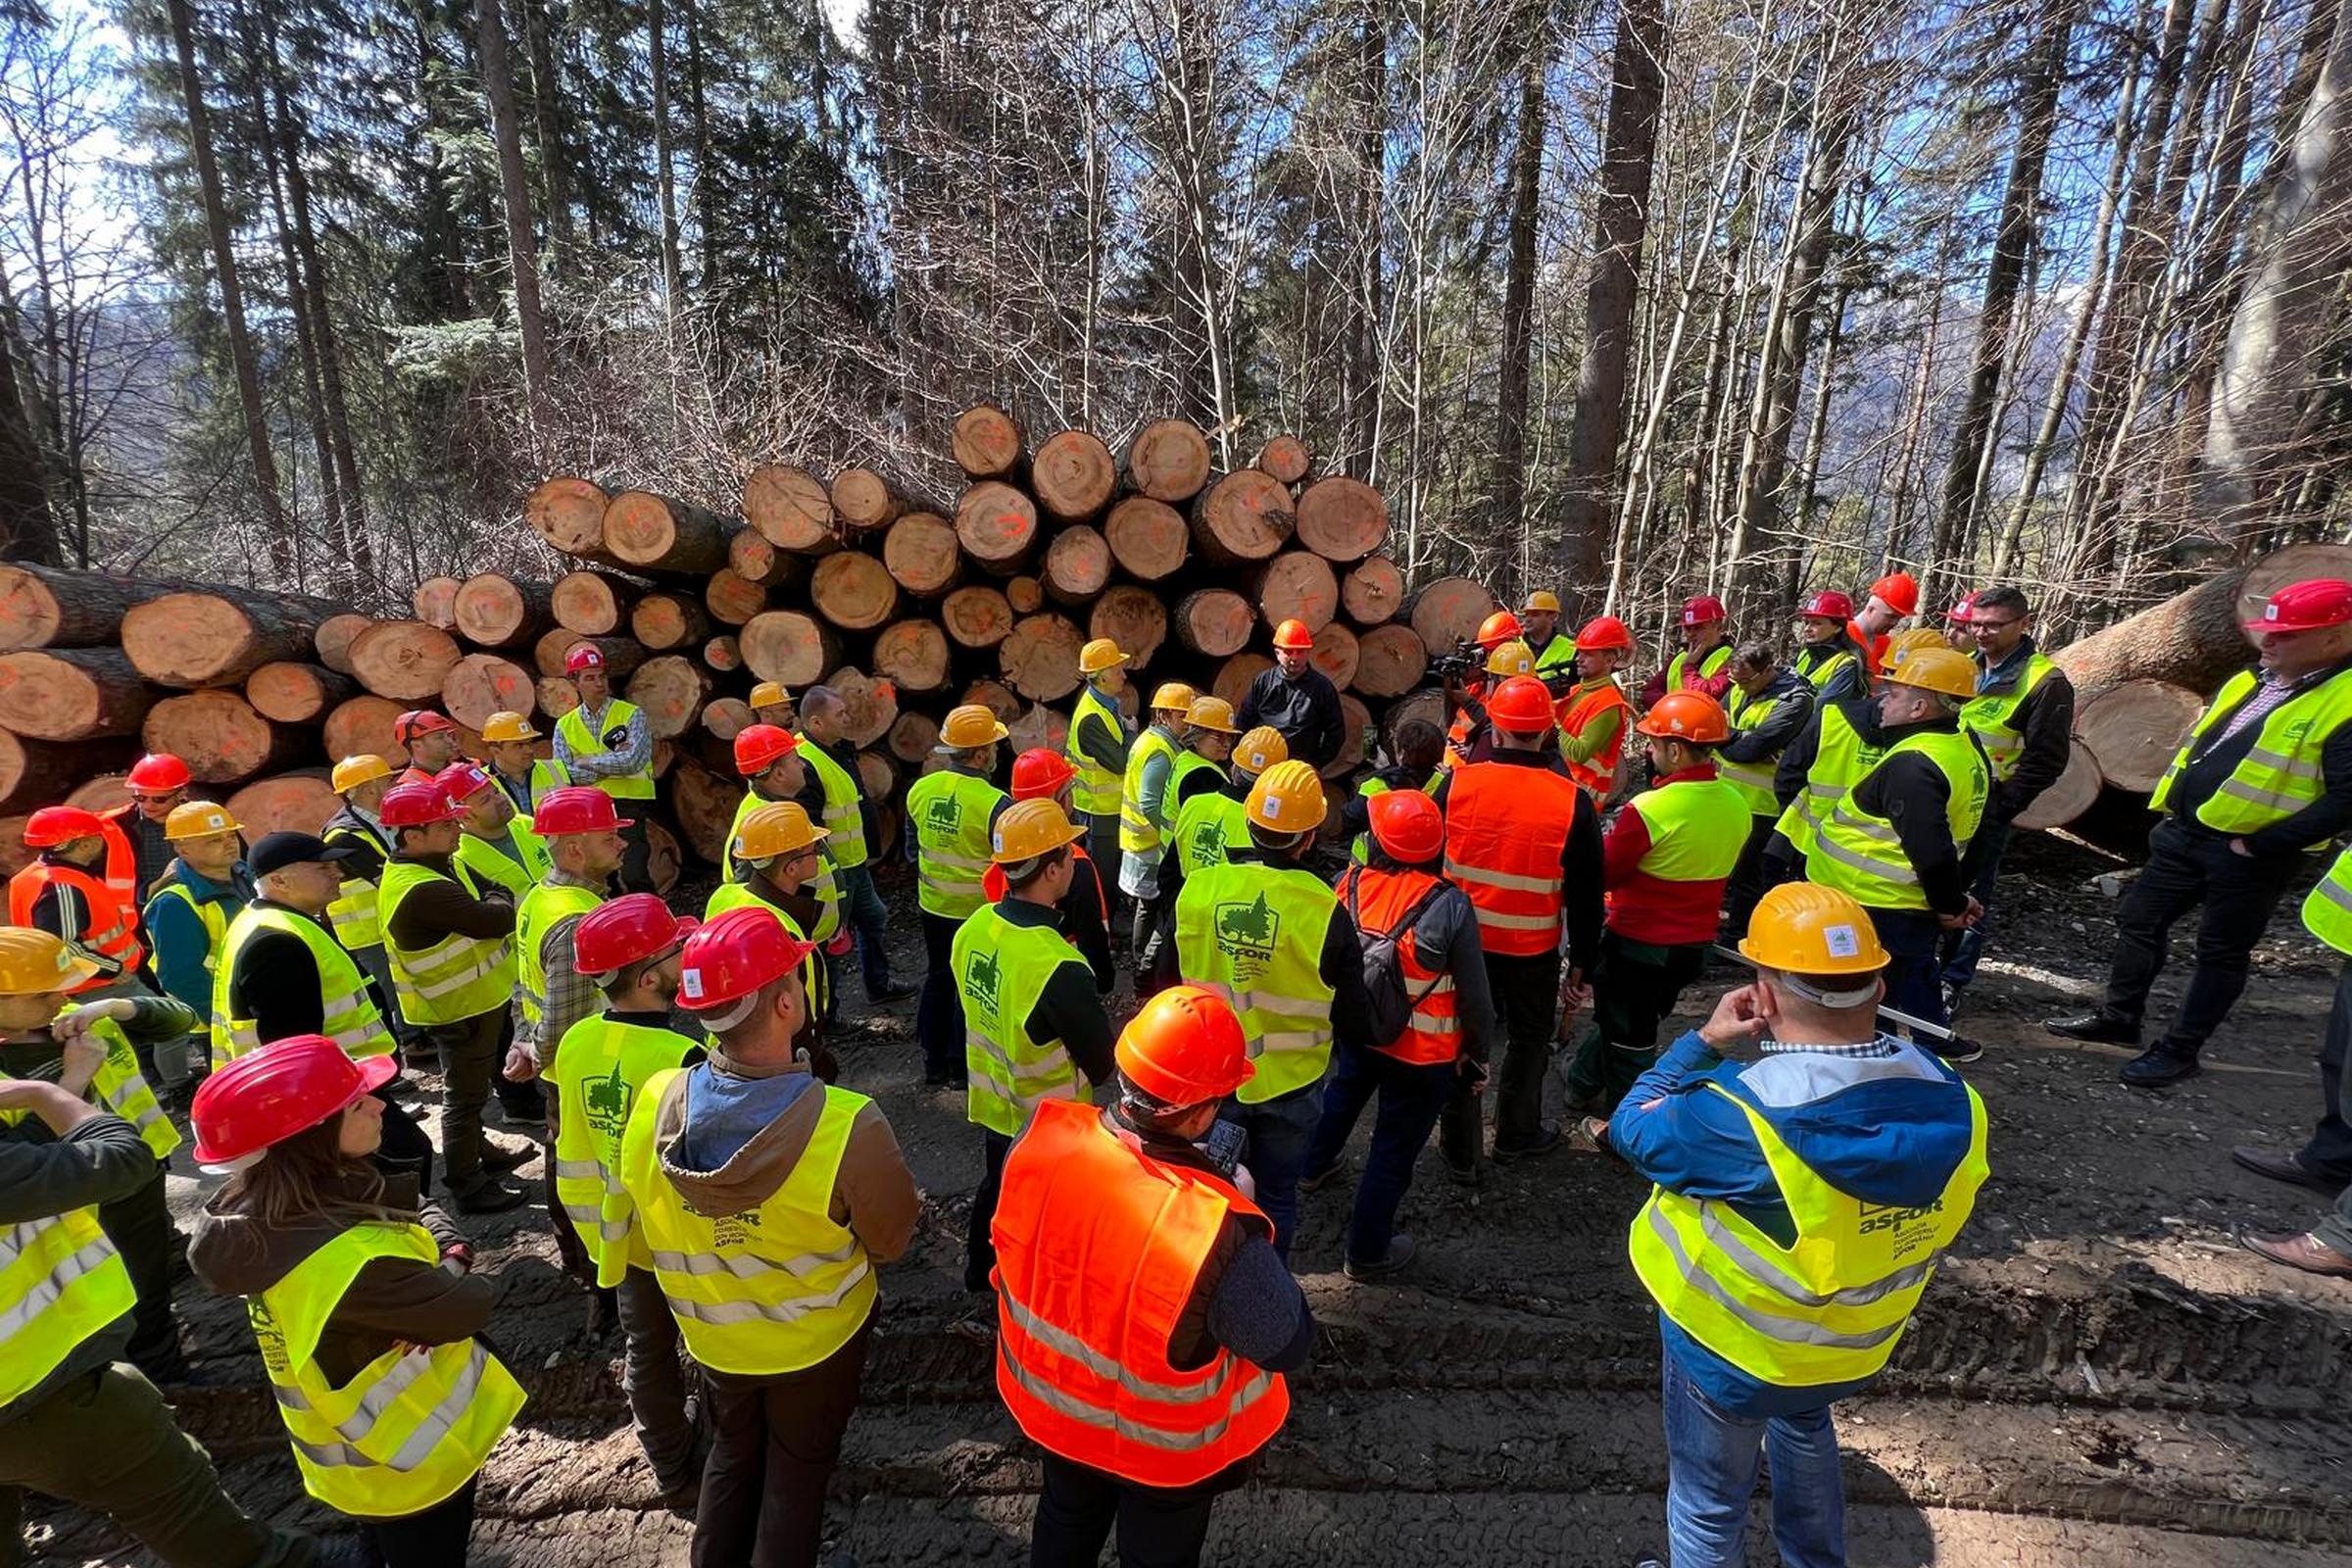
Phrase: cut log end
{"type": "Point", "coordinates": [1073, 477]}
{"type": "Point", "coordinates": [288, 803]}
{"type": "Point", "coordinates": [671, 691]}
{"type": "Point", "coordinates": [435, 601]}
{"type": "Point", "coordinates": [997, 525]}
{"type": "Point", "coordinates": [789, 507]}
{"type": "Point", "coordinates": [1214, 621]}
{"type": "Point", "coordinates": [496, 610]}
{"type": "Point", "coordinates": [72, 694]}
{"type": "Point", "coordinates": [1343, 520]}
{"type": "Point", "coordinates": [2069, 795]}
{"type": "Point", "coordinates": [921, 554]}
{"type": "Point", "coordinates": [218, 637]}
{"type": "Point", "coordinates": [914, 653]}
{"type": "Point", "coordinates": [1077, 566]}
{"type": "Point", "coordinates": [788, 646]}
{"type": "Point", "coordinates": [1448, 611]}
{"type": "Point", "coordinates": [290, 693]}
{"type": "Point", "coordinates": [1040, 658]}
{"type": "Point", "coordinates": [568, 513]}
{"type": "Point", "coordinates": [596, 603]}
{"type": "Point", "coordinates": [1372, 591]}
{"type": "Point", "coordinates": [1285, 457]}
{"type": "Point", "coordinates": [482, 684]}
{"type": "Point", "coordinates": [1148, 538]}
{"type": "Point", "coordinates": [853, 591]}
{"type": "Point", "coordinates": [403, 659]}
{"type": "Point", "coordinates": [869, 705]}
{"type": "Point", "coordinates": [987, 443]}
{"type": "Point", "coordinates": [219, 735]}
{"type": "Point", "coordinates": [1390, 661]}
{"type": "Point", "coordinates": [1133, 618]}
{"type": "Point", "coordinates": [1244, 516]}
{"type": "Point", "coordinates": [863, 501]}
{"type": "Point", "coordinates": [1168, 461]}
{"type": "Point", "coordinates": [2133, 730]}
{"type": "Point", "coordinates": [732, 598]}
{"type": "Point", "coordinates": [1297, 585]}
{"type": "Point", "coordinates": [657, 533]}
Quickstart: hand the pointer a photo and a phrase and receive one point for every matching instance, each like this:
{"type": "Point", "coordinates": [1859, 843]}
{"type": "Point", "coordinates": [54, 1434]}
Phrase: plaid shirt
{"type": "Point", "coordinates": [1869, 1050]}
{"type": "Point", "coordinates": [570, 995]}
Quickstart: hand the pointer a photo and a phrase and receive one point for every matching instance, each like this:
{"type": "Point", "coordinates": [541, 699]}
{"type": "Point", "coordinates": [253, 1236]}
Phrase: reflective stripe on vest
{"type": "Point", "coordinates": [1576, 711]}
{"type": "Point", "coordinates": [1753, 780]}
{"type": "Point", "coordinates": [1138, 833]}
{"type": "Point", "coordinates": [1099, 1248]}
{"type": "Point", "coordinates": [60, 1281]}
{"type": "Point", "coordinates": [1000, 969]}
{"type": "Point", "coordinates": [1098, 786]}
{"type": "Point", "coordinates": [543, 907]}
{"type": "Point", "coordinates": [1254, 933]}
{"type": "Point", "coordinates": [413, 1425]}
{"type": "Point", "coordinates": [1206, 826]}
{"type": "Point", "coordinates": [768, 1291]}
{"type": "Point", "coordinates": [601, 1066]}
{"type": "Point", "coordinates": [840, 815]}
{"type": "Point", "coordinates": [1861, 854]}
{"type": "Point", "coordinates": [111, 925]}
{"type": "Point", "coordinates": [1840, 759]}
{"type": "Point", "coordinates": [1434, 1029]}
{"type": "Point", "coordinates": [638, 786]}
{"type": "Point", "coordinates": [122, 1090]}
{"type": "Point", "coordinates": [347, 1010]}
{"type": "Point", "coordinates": [1989, 715]}
{"type": "Point", "coordinates": [950, 814]}
{"type": "Point", "coordinates": [457, 977]}
{"type": "Point", "coordinates": [1826, 671]}
{"type": "Point", "coordinates": [2328, 906]}
{"type": "Point", "coordinates": [492, 865]}
{"type": "Point", "coordinates": [1507, 827]}
{"type": "Point", "coordinates": [353, 913]}
{"type": "Point", "coordinates": [2281, 773]}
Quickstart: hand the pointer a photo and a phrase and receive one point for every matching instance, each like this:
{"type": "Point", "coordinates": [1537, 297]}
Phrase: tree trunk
{"type": "Point", "coordinates": [43, 607]}
{"type": "Point", "coordinates": [27, 527]}
{"type": "Point", "coordinates": [1245, 517]}
{"type": "Point", "coordinates": [219, 736]}
{"type": "Point", "coordinates": [219, 636]}
{"type": "Point", "coordinates": [568, 513]}
{"type": "Point", "coordinates": [547, 97]}
{"type": "Point", "coordinates": [1040, 660]}
{"type": "Point", "coordinates": [657, 533]}
{"type": "Point", "coordinates": [362, 727]}
{"type": "Point", "coordinates": [406, 660]}
{"type": "Point", "coordinates": [1507, 501]}
{"type": "Point", "coordinates": [656, 29]}
{"type": "Point", "coordinates": [1285, 457]}
{"type": "Point", "coordinates": [2193, 638]}
{"type": "Point", "coordinates": [495, 611]}
{"type": "Point", "coordinates": [523, 245]}
{"type": "Point", "coordinates": [1214, 621]}
{"type": "Point", "coordinates": [1135, 618]}
{"type": "Point", "coordinates": [922, 554]}
{"type": "Point", "coordinates": [1447, 612]}
{"type": "Point", "coordinates": [72, 694]}
{"type": "Point", "coordinates": [289, 692]}
{"type": "Point", "coordinates": [333, 639]}
{"type": "Point", "coordinates": [668, 622]}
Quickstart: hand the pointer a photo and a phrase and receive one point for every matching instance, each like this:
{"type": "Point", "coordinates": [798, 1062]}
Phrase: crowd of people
{"type": "Point", "coordinates": [1517, 886]}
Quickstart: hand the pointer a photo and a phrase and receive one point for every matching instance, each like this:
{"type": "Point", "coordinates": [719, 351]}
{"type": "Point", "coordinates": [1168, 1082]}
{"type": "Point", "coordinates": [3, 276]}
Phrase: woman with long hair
{"type": "Point", "coordinates": [361, 1295]}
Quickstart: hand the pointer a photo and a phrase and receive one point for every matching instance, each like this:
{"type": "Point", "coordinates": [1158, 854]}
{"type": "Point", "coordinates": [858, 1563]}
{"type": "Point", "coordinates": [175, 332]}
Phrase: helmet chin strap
{"type": "Point", "coordinates": [720, 1023]}
{"type": "Point", "coordinates": [1853, 997]}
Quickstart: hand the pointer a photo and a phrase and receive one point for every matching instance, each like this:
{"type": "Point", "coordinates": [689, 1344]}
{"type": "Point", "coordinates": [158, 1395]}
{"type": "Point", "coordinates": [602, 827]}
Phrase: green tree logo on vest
{"type": "Point", "coordinates": [267, 1333]}
{"type": "Point", "coordinates": [608, 1102]}
{"type": "Point", "coordinates": [1249, 927]}
{"type": "Point", "coordinates": [941, 813]}
{"type": "Point", "coordinates": [980, 982]}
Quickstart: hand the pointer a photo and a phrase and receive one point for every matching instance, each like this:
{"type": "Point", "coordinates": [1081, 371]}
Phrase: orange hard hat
{"type": "Point", "coordinates": [1899, 591]}
{"type": "Point", "coordinates": [1185, 1048]}
{"type": "Point", "coordinates": [53, 825]}
{"type": "Point", "coordinates": [265, 1097]}
{"type": "Point", "coordinates": [1605, 631]}
{"type": "Point", "coordinates": [1497, 630]}
{"type": "Point", "coordinates": [1038, 774]}
{"type": "Point", "coordinates": [1294, 634]}
{"type": "Point", "coordinates": [1407, 824]}
{"type": "Point", "coordinates": [1521, 705]}
{"type": "Point", "coordinates": [760, 747]}
{"type": "Point", "coordinates": [1692, 716]}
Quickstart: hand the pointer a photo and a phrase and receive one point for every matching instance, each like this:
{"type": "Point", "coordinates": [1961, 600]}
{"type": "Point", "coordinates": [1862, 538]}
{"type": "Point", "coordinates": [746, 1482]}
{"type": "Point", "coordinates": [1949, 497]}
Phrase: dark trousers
{"type": "Point", "coordinates": [427, 1540]}
{"type": "Point", "coordinates": [406, 1146]}
{"type": "Point", "coordinates": [652, 1377]}
{"type": "Point", "coordinates": [868, 918]}
{"type": "Point", "coordinates": [1913, 939]}
{"type": "Point", "coordinates": [472, 1050]}
{"type": "Point", "coordinates": [1749, 878]}
{"type": "Point", "coordinates": [2188, 866]}
{"type": "Point", "coordinates": [2330, 1145]}
{"type": "Point", "coordinates": [1278, 1132]}
{"type": "Point", "coordinates": [1960, 950]}
{"type": "Point", "coordinates": [1527, 992]}
{"type": "Point", "coordinates": [139, 1225]}
{"type": "Point", "coordinates": [938, 1010]}
{"type": "Point", "coordinates": [105, 1441]}
{"type": "Point", "coordinates": [1411, 1097]}
{"type": "Point", "coordinates": [774, 1442]}
{"type": "Point", "coordinates": [979, 1247]}
{"type": "Point", "coordinates": [1635, 989]}
{"type": "Point", "coordinates": [636, 848]}
{"type": "Point", "coordinates": [1159, 1527]}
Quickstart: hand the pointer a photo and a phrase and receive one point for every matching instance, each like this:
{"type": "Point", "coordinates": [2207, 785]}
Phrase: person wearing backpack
{"type": "Point", "coordinates": [1433, 1020]}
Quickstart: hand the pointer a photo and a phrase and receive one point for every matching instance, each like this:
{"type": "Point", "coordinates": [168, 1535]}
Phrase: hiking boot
{"type": "Point", "coordinates": [2098, 1025]}
{"type": "Point", "coordinates": [1400, 1254]}
{"type": "Point", "coordinates": [1460, 1175]}
{"type": "Point", "coordinates": [2157, 1067]}
{"type": "Point", "coordinates": [498, 1159]}
{"type": "Point", "coordinates": [1547, 1140]}
{"type": "Point", "coordinates": [1316, 1182]}
{"type": "Point", "coordinates": [894, 990]}
{"type": "Point", "coordinates": [488, 1196]}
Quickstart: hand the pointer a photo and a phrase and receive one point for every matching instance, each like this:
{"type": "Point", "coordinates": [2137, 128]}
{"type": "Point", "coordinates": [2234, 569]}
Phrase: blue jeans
{"type": "Point", "coordinates": [1915, 977]}
{"type": "Point", "coordinates": [862, 907]}
{"type": "Point", "coordinates": [1711, 1474]}
{"type": "Point", "coordinates": [1280, 1130]}
{"type": "Point", "coordinates": [1961, 950]}
{"type": "Point", "coordinates": [1411, 1098]}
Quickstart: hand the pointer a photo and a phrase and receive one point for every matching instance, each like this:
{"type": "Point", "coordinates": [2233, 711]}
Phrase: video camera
{"type": "Point", "coordinates": [1467, 660]}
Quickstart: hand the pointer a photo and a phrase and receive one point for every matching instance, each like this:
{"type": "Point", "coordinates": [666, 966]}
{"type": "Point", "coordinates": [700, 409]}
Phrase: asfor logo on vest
{"type": "Point", "coordinates": [268, 1336]}
{"type": "Point", "coordinates": [608, 1102]}
{"type": "Point", "coordinates": [941, 813]}
{"type": "Point", "coordinates": [980, 981]}
{"type": "Point", "coordinates": [1248, 930]}
{"type": "Point", "coordinates": [1913, 1228]}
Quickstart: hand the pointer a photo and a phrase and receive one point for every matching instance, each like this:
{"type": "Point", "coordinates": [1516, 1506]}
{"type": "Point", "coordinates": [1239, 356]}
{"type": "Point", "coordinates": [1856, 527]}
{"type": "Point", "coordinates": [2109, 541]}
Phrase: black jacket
{"type": "Point", "coordinates": [1069, 1006]}
{"type": "Point", "coordinates": [2045, 720]}
{"type": "Point", "coordinates": [1911, 792]}
{"type": "Point", "coordinates": [1306, 712]}
{"type": "Point", "coordinates": [1792, 696]}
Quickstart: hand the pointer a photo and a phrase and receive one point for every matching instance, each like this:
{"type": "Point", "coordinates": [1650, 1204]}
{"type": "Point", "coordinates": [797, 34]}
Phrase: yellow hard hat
{"type": "Point", "coordinates": [777, 828]}
{"type": "Point", "coordinates": [768, 694]}
{"type": "Point", "coordinates": [1540, 599]}
{"type": "Point", "coordinates": [1099, 656]}
{"type": "Point", "coordinates": [1513, 657]}
{"type": "Point", "coordinates": [1173, 693]}
{"type": "Point", "coordinates": [198, 819]}
{"type": "Point", "coordinates": [1940, 669]}
{"type": "Point", "coordinates": [1260, 750]}
{"type": "Point", "coordinates": [1288, 797]}
{"type": "Point", "coordinates": [1028, 829]}
{"type": "Point", "coordinates": [1904, 643]}
{"type": "Point", "coordinates": [1803, 928]}
{"type": "Point", "coordinates": [969, 727]}
{"type": "Point", "coordinates": [506, 726]}
{"type": "Point", "coordinates": [34, 962]}
{"type": "Point", "coordinates": [353, 771]}
{"type": "Point", "coordinates": [1211, 713]}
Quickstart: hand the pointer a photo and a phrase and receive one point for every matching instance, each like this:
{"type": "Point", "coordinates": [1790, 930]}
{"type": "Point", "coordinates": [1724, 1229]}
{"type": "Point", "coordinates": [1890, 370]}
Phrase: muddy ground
{"type": "Point", "coordinates": [2101, 1376]}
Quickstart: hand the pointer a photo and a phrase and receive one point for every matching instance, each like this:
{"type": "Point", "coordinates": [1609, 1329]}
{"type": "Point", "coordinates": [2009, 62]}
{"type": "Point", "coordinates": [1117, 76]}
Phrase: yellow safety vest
{"type": "Point", "coordinates": [1254, 934]}
{"type": "Point", "coordinates": [1860, 853]}
{"type": "Point", "coordinates": [352, 914]}
{"type": "Point", "coordinates": [351, 1017]}
{"type": "Point", "coordinates": [1697, 828]}
{"type": "Point", "coordinates": [413, 1425]}
{"type": "Point", "coordinates": [458, 977]}
{"type": "Point", "coordinates": [543, 907]}
{"type": "Point", "coordinates": [122, 1090]}
{"type": "Point", "coordinates": [2328, 906]}
{"type": "Point", "coordinates": [1206, 827]}
{"type": "Point", "coordinates": [1138, 833]}
{"type": "Point", "coordinates": [1098, 786]}
{"type": "Point", "coordinates": [638, 786]}
{"type": "Point", "coordinates": [1826, 671]}
{"type": "Point", "coordinates": [1831, 1306]}
{"type": "Point", "coordinates": [209, 915]}
{"type": "Point", "coordinates": [1557, 656]}
{"type": "Point", "coordinates": [1000, 969]}
{"type": "Point", "coordinates": [2280, 774]}
{"type": "Point", "coordinates": [1840, 759]}
{"type": "Point", "coordinates": [950, 814]}
{"type": "Point", "coordinates": [601, 1065]}
{"type": "Point", "coordinates": [1361, 850]}
{"type": "Point", "coordinates": [489, 863]}
{"type": "Point", "coordinates": [1709, 664]}
{"type": "Point", "coordinates": [768, 1291]}
{"type": "Point", "coordinates": [1753, 780]}
{"type": "Point", "coordinates": [60, 1281]}
{"type": "Point", "coordinates": [841, 814]}
{"type": "Point", "coordinates": [1989, 715]}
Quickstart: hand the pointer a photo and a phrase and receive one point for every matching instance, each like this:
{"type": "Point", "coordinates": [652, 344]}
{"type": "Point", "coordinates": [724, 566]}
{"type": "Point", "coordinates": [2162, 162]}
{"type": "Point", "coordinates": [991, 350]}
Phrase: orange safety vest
{"type": "Point", "coordinates": [1434, 1033]}
{"type": "Point", "coordinates": [1574, 711]}
{"type": "Point", "coordinates": [112, 929]}
{"type": "Point", "coordinates": [1505, 828]}
{"type": "Point", "coordinates": [123, 861]}
{"type": "Point", "coordinates": [1872, 651]}
{"type": "Point", "coordinates": [1098, 1247]}
{"type": "Point", "coordinates": [993, 884]}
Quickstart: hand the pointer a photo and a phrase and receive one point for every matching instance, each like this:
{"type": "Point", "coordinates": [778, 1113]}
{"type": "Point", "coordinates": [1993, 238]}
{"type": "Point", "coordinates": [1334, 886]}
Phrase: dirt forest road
{"type": "Point", "coordinates": [2100, 1376]}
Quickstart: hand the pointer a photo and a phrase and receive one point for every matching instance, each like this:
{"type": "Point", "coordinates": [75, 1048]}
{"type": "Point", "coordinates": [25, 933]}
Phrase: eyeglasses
{"type": "Point", "coordinates": [1978, 627]}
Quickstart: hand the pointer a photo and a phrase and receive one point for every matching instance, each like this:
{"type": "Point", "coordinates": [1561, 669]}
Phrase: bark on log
{"type": "Point", "coordinates": [994, 696]}
{"type": "Point", "coordinates": [729, 716]}
{"type": "Point", "coordinates": [101, 794]}
{"type": "Point", "coordinates": [2194, 638]}
{"type": "Point", "coordinates": [496, 610]}
{"type": "Point", "coordinates": [1214, 621]}
{"type": "Point", "coordinates": [37, 774]}
{"type": "Point", "coordinates": [1372, 591]}
{"type": "Point", "coordinates": [1285, 457]}
{"type": "Point", "coordinates": [988, 444]}
{"type": "Point", "coordinates": [1074, 478]}
{"type": "Point", "coordinates": [671, 690]}
{"type": "Point", "coordinates": [723, 654]}
{"type": "Point", "coordinates": [435, 601]}
{"type": "Point", "coordinates": [869, 706]}
{"type": "Point", "coordinates": [1077, 566]}
{"type": "Point", "coordinates": [1296, 584]}
{"type": "Point", "coordinates": [1235, 675]}
{"type": "Point", "coordinates": [790, 508]}
{"type": "Point", "coordinates": [332, 639]}
{"type": "Point", "coordinates": [1147, 537]}
{"type": "Point", "coordinates": [289, 693]}
{"type": "Point", "coordinates": [914, 653]}
{"type": "Point", "coordinates": [46, 606]}
{"type": "Point", "coordinates": [622, 655]}
{"type": "Point", "coordinates": [403, 659]}
{"type": "Point", "coordinates": [482, 684]}
{"type": "Point", "coordinates": [657, 533]}
{"type": "Point", "coordinates": [219, 736]}
{"type": "Point", "coordinates": [731, 598]}
{"type": "Point", "coordinates": [1341, 519]}
{"type": "Point", "coordinates": [568, 513]}
{"type": "Point", "coordinates": [921, 554]}
{"type": "Point", "coordinates": [788, 646]}
{"type": "Point", "coordinates": [1040, 660]}
{"type": "Point", "coordinates": [2133, 729]}
{"type": "Point", "coordinates": [853, 591]}
{"type": "Point", "coordinates": [596, 603]}
{"type": "Point", "coordinates": [362, 726]}
{"type": "Point", "coordinates": [704, 801]}
{"type": "Point", "coordinates": [1133, 618]}
{"type": "Point", "coordinates": [1168, 461]}
{"type": "Point", "coordinates": [1447, 612]}
{"type": "Point", "coordinates": [2073, 793]}
{"type": "Point", "coordinates": [299, 802]}
{"type": "Point", "coordinates": [1038, 727]}
{"type": "Point", "coordinates": [911, 737]}
{"type": "Point", "coordinates": [1336, 654]}
{"type": "Point", "coordinates": [877, 775]}
{"type": "Point", "coordinates": [669, 621]}
{"type": "Point", "coordinates": [1245, 517]}
{"type": "Point", "coordinates": [72, 694]}
{"type": "Point", "coordinates": [976, 616]}
{"type": "Point", "coordinates": [664, 864]}
{"type": "Point", "coordinates": [863, 501]}
{"type": "Point", "coordinates": [219, 636]}
{"type": "Point", "coordinates": [997, 525]}
{"type": "Point", "coordinates": [1390, 661]}
{"type": "Point", "coordinates": [1026, 595]}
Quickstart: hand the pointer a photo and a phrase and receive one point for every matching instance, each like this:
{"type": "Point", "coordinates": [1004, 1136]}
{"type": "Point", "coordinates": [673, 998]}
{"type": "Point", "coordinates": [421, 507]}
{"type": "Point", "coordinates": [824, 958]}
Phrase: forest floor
{"type": "Point", "coordinates": [2101, 1375]}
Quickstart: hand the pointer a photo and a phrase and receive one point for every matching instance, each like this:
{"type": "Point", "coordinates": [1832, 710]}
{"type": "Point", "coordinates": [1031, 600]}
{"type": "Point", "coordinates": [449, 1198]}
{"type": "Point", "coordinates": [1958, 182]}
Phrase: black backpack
{"type": "Point", "coordinates": [1393, 1001]}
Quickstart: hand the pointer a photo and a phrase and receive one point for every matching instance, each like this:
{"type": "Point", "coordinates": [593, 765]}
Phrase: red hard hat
{"type": "Point", "coordinates": [760, 747]}
{"type": "Point", "coordinates": [1899, 591]}
{"type": "Point", "coordinates": [1294, 634]}
{"type": "Point", "coordinates": [575, 809]}
{"type": "Point", "coordinates": [1605, 631]}
{"type": "Point", "coordinates": [2306, 606]}
{"type": "Point", "coordinates": [265, 1097]}
{"type": "Point", "coordinates": [626, 930]}
{"type": "Point", "coordinates": [1185, 1048]}
{"type": "Point", "coordinates": [1497, 630]}
{"type": "Point", "coordinates": [418, 721]}
{"type": "Point", "coordinates": [158, 773]}
{"type": "Point", "coordinates": [1407, 824]}
{"type": "Point", "coordinates": [1038, 774]}
{"type": "Point", "coordinates": [583, 656]}
{"type": "Point", "coordinates": [53, 825]}
{"type": "Point", "coordinates": [736, 953]}
{"type": "Point", "coordinates": [1686, 717]}
{"type": "Point", "coordinates": [462, 780]}
{"type": "Point", "coordinates": [416, 805]}
{"type": "Point", "coordinates": [1703, 611]}
{"type": "Point", "coordinates": [1964, 612]}
{"type": "Point", "coordinates": [1521, 705]}
{"type": "Point", "coordinates": [1828, 605]}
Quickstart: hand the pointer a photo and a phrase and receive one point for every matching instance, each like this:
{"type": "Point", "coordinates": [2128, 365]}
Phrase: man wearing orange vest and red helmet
{"type": "Point", "coordinates": [1399, 896]}
{"type": "Point", "coordinates": [1296, 698]}
{"type": "Point", "coordinates": [1595, 717]}
{"type": "Point", "coordinates": [1084, 912]}
{"type": "Point", "coordinates": [432, 741]}
{"type": "Point", "coordinates": [66, 891]}
{"type": "Point", "coordinates": [158, 783]}
{"type": "Point", "coordinates": [1145, 1324]}
{"type": "Point", "coordinates": [1523, 843]}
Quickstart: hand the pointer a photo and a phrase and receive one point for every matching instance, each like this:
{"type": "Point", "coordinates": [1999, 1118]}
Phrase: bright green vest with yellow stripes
{"type": "Point", "coordinates": [1254, 934]}
{"type": "Point", "coordinates": [950, 814]}
{"type": "Point", "coordinates": [601, 1066]}
{"type": "Point", "coordinates": [1000, 969]}
{"type": "Point", "coordinates": [2280, 774]}
{"type": "Point", "coordinates": [1860, 853]}
{"type": "Point", "coordinates": [458, 977]}
{"type": "Point", "coordinates": [60, 1281]}
{"type": "Point", "coordinates": [1097, 793]}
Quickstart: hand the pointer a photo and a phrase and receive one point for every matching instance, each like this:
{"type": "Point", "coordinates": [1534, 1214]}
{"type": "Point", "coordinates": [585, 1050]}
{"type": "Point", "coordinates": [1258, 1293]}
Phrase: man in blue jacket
{"type": "Point", "coordinates": [1803, 1200]}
